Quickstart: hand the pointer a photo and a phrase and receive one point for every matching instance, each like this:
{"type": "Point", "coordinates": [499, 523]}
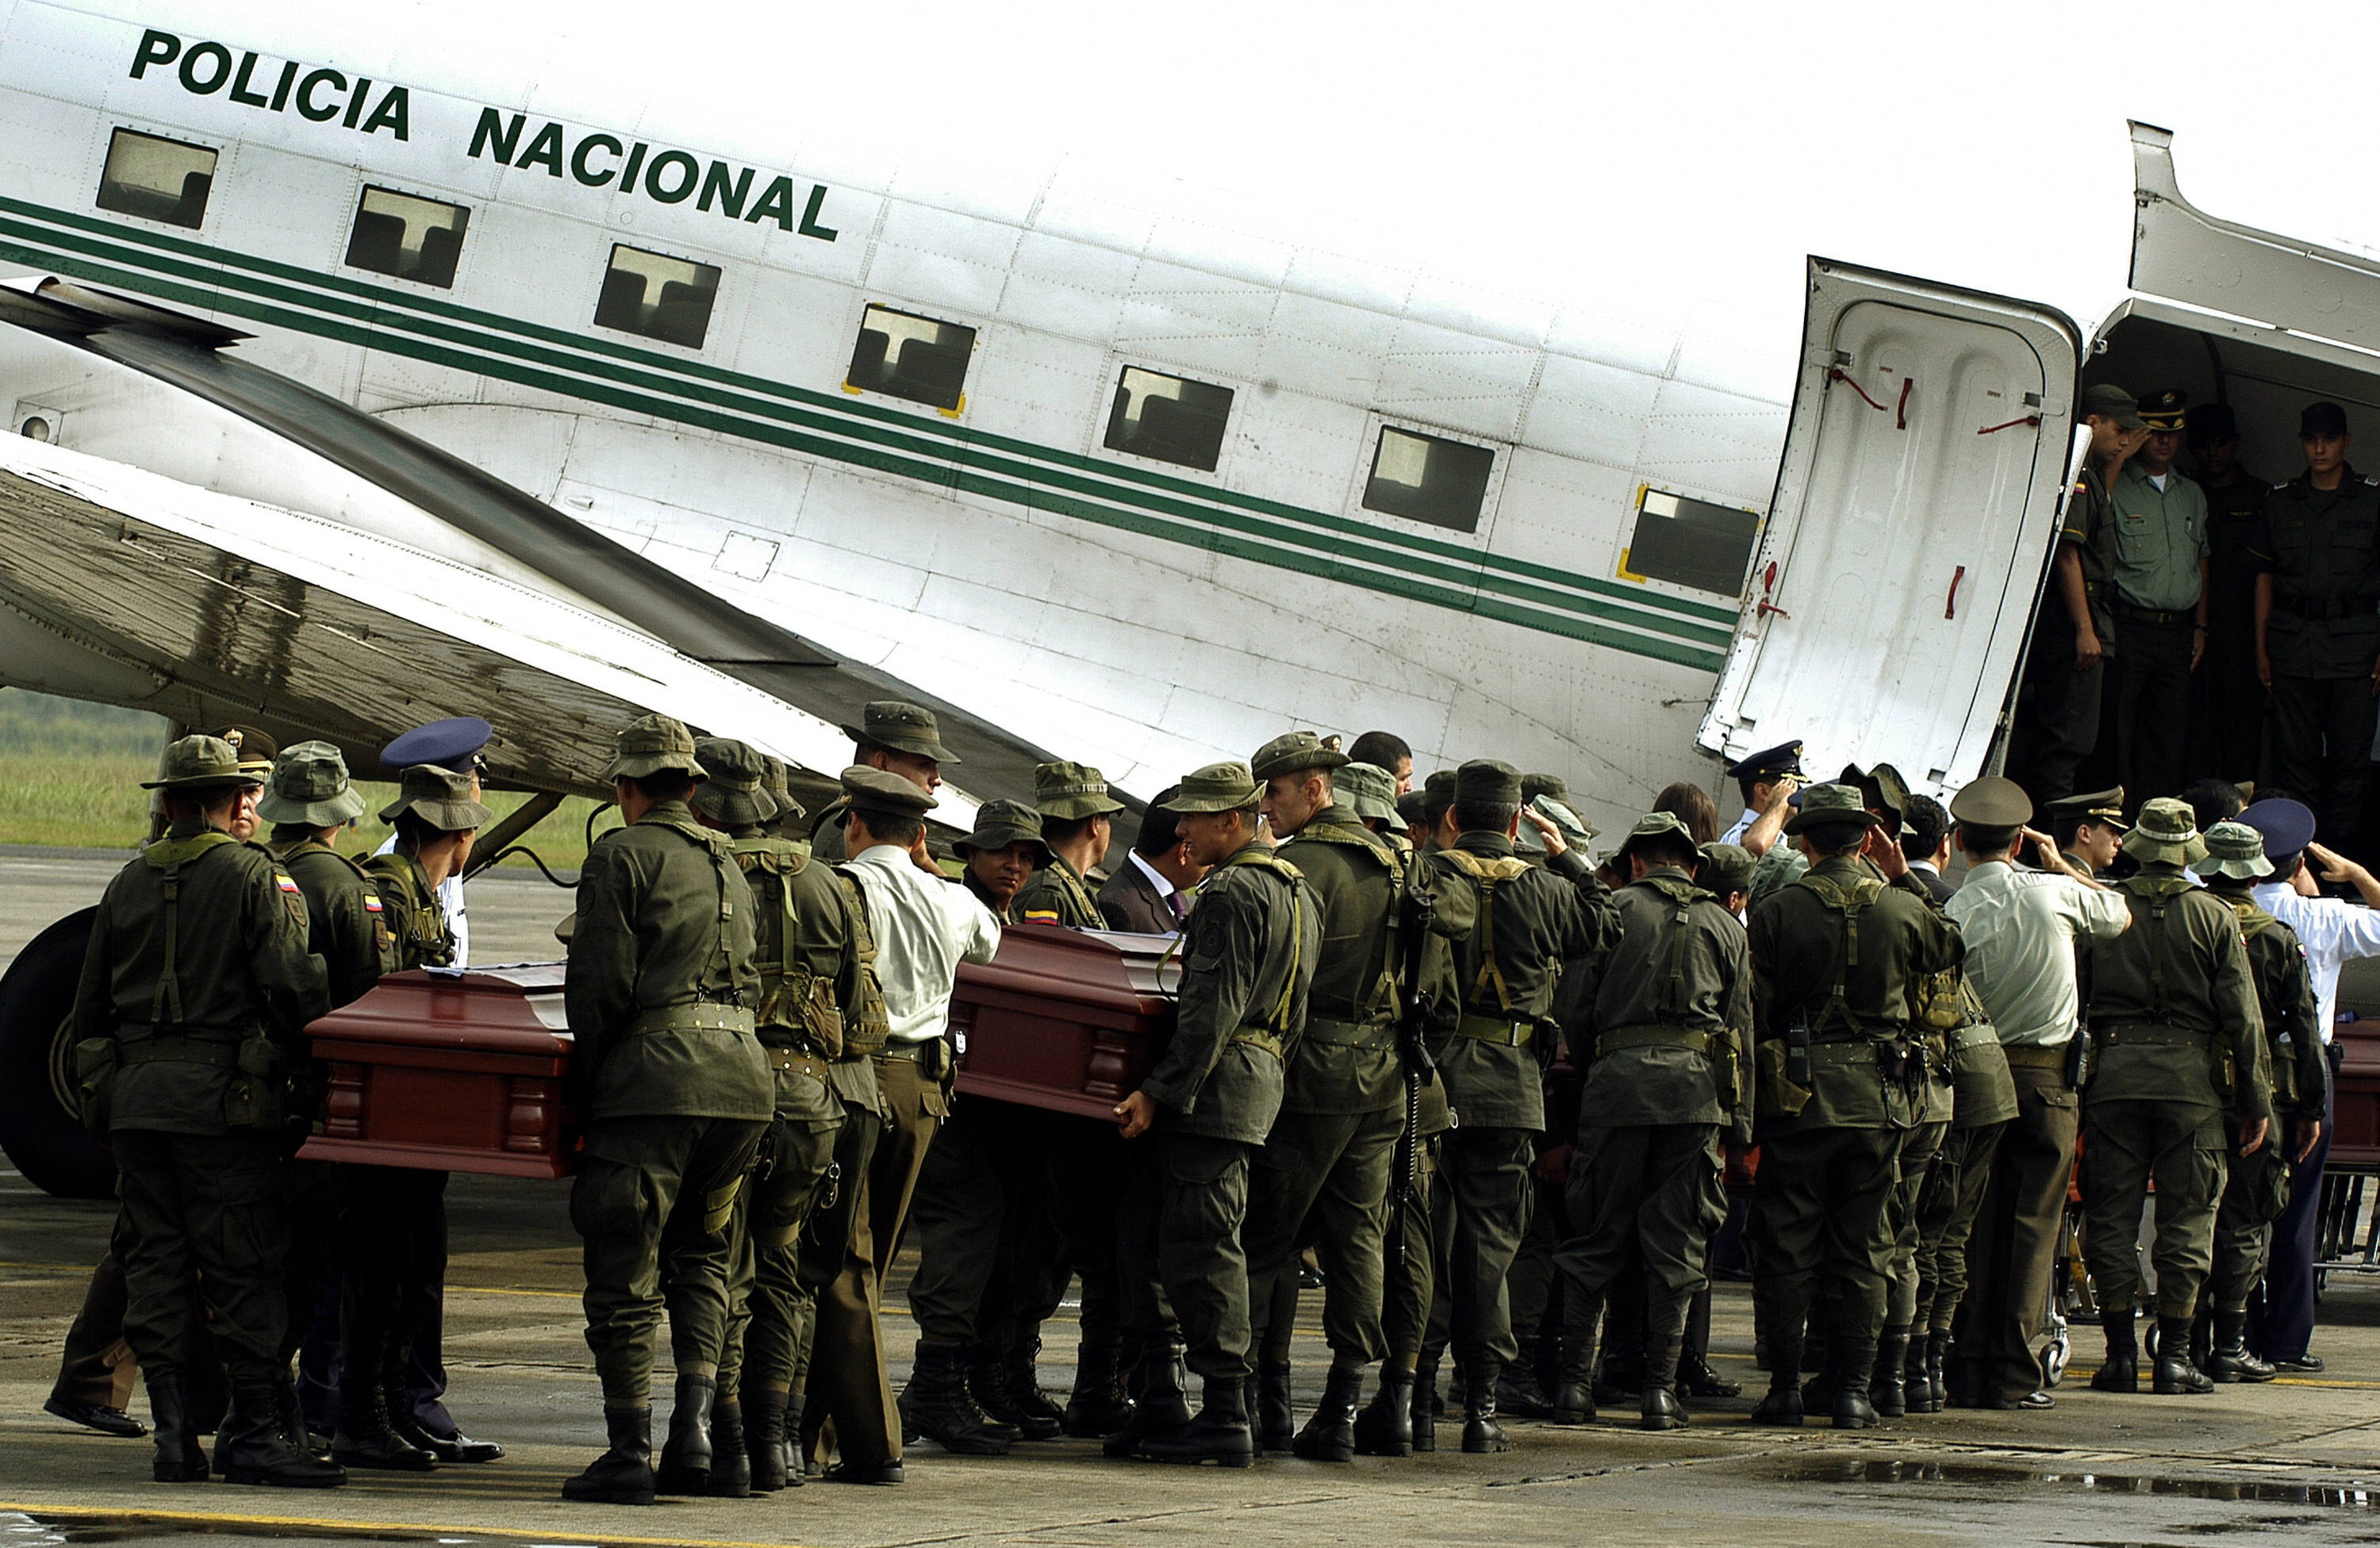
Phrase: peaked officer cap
{"type": "Point", "coordinates": [451, 743]}
{"type": "Point", "coordinates": [256, 749]}
{"type": "Point", "coordinates": [2287, 826]}
{"type": "Point", "coordinates": [885, 794]}
{"type": "Point", "coordinates": [1992, 802]}
{"type": "Point", "coordinates": [1769, 763]}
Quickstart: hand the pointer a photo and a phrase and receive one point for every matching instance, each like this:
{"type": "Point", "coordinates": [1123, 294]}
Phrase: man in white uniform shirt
{"type": "Point", "coordinates": [2021, 929]}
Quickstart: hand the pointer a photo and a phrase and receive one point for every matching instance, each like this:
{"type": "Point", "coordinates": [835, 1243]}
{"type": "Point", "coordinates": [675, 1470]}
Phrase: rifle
{"type": "Point", "coordinates": [1416, 917]}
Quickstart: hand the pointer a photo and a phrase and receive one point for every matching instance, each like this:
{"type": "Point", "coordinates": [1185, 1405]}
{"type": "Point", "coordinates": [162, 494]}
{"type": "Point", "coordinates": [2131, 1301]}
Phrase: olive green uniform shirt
{"type": "Point", "coordinates": [2159, 539]}
{"type": "Point", "coordinates": [1057, 888]}
{"type": "Point", "coordinates": [2090, 525]}
{"type": "Point", "coordinates": [1346, 1062]}
{"type": "Point", "coordinates": [409, 908]}
{"type": "Point", "coordinates": [344, 917]}
{"type": "Point", "coordinates": [239, 965]}
{"type": "Point", "coordinates": [2322, 548]}
{"type": "Point", "coordinates": [2181, 969]}
{"type": "Point", "coordinates": [664, 921]}
{"type": "Point", "coordinates": [1680, 965]}
{"type": "Point", "coordinates": [2284, 995]}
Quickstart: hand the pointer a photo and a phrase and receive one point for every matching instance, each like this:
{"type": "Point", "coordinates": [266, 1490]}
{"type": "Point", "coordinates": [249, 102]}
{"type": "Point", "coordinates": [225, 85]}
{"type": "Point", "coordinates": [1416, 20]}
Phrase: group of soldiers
{"type": "Point", "coordinates": [1419, 1033]}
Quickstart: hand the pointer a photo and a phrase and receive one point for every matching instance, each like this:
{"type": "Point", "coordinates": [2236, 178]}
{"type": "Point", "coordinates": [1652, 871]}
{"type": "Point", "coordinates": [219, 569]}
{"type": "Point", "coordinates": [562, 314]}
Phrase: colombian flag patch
{"type": "Point", "coordinates": [283, 883]}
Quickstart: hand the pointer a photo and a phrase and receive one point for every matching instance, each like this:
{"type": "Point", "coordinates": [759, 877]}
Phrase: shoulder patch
{"type": "Point", "coordinates": [1041, 916]}
{"type": "Point", "coordinates": [372, 901]}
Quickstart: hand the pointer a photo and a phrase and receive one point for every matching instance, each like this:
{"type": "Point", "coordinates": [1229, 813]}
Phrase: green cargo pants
{"type": "Point", "coordinates": [1946, 1219]}
{"type": "Point", "coordinates": [2255, 1190]}
{"type": "Point", "coordinates": [2125, 1145]}
{"type": "Point", "coordinates": [1819, 1219]}
{"type": "Point", "coordinates": [1202, 1198]}
{"type": "Point", "coordinates": [1334, 1167]}
{"type": "Point", "coordinates": [209, 1209]}
{"type": "Point", "coordinates": [1419, 1240]}
{"type": "Point", "coordinates": [1916, 1169]}
{"type": "Point", "coordinates": [1648, 1195]}
{"type": "Point", "coordinates": [766, 1304]}
{"type": "Point", "coordinates": [1486, 1175]}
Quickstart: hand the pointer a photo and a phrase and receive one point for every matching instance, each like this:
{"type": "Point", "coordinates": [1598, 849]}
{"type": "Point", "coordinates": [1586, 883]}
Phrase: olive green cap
{"type": "Point", "coordinates": [1439, 788]}
{"type": "Point", "coordinates": [1369, 790]}
{"type": "Point", "coordinates": [439, 797]}
{"type": "Point", "coordinates": [1292, 753]}
{"type": "Point", "coordinates": [1576, 831]}
{"type": "Point", "coordinates": [200, 763]}
{"type": "Point", "coordinates": [867, 789]}
{"type": "Point", "coordinates": [1831, 803]}
{"type": "Point", "coordinates": [1726, 868]}
{"type": "Point", "coordinates": [902, 727]}
{"type": "Point", "coordinates": [999, 824]}
{"type": "Point", "coordinates": [1070, 791]}
{"type": "Point", "coordinates": [655, 744]}
{"type": "Point", "coordinates": [1217, 787]}
{"type": "Point", "coordinates": [310, 785]}
{"type": "Point", "coordinates": [2235, 849]}
{"type": "Point", "coordinates": [1992, 802]}
{"type": "Point", "coordinates": [1485, 780]}
{"type": "Point", "coordinates": [1535, 784]}
{"type": "Point", "coordinates": [774, 780]}
{"type": "Point", "coordinates": [733, 796]}
{"type": "Point", "coordinates": [2110, 401]}
{"type": "Point", "coordinates": [2168, 835]}
{"type": "Point", "coordinates": [256, 749]}
{"type": "Point", "coordinates": [1658, 824]}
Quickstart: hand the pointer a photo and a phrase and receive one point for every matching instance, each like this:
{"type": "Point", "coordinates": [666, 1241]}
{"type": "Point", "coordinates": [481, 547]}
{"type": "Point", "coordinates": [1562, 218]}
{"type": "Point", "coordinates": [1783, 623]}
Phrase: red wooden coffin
{"type": "Point", "coordinates": [453, 1071]}
{"type": "Point", "coordinates": [2355, 1105]}
{"type": "Point", "coordinates": [1069, 1020]}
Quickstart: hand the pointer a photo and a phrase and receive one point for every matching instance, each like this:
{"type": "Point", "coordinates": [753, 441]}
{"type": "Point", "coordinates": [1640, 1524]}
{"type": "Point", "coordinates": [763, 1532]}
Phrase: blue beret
{"type": "Point", "coordinates": [2287, 826]}
{"type": "Point", "coordinates": [450, 744]}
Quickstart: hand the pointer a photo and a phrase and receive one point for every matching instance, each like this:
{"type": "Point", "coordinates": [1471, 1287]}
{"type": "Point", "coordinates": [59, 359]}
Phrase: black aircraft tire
{"type": "Point", "coordinates": [38, 1127]}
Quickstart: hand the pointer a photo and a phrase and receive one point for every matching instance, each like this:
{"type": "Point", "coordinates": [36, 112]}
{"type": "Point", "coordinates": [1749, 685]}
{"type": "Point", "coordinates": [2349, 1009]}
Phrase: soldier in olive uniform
{"type": "Point", "coordinates": [2317, 551]}
{"type": "Point", "coordinates": [892, 737]}
{"type": "Point", "coordinates": [2177, 1041]}
{"type": "Point", "coordinates": [1248, 957]}
{"type": "Point", "coordinates": [801, 951]}
{"type": "Point", "coordinates": [1674, 1028]}
{"type": "Point", "coordinates": [2256, 1185]}
{"type": "Point", "coordinates": [2227, 712]}
{"type": "Point", "coordinates": [1839, 1074]}
{"type": "Point", "coordinates": [195, 993]}
{"type": "Point", "coordinates": [1528, 923]}
{"type": "Point", "coordinates": [786, 822]}
{"type": "Point", "coordinates": [678, 1091]}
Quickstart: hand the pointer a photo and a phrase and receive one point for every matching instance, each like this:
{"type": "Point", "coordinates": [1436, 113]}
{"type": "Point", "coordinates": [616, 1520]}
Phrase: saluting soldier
{"type": "Point", "coordinates": [1248, 957]}
{"type": "Point", "coordinates": [2090, 829]}
{"type": "Point", "coordinates": [2256, 1185]}
{"type": "Point", "coordinates": [1837, 955]}
{"type": "Point", "coordinates": [1767, 780]}
{"type": "Point", "coordinates": [1673, 1018]}
{"type": "Point", "coordinates": [195, 993]}
{"type": "Point", "coordinates": [678, 1094]}
{"type": "Point", "coordinates": [2177, 1041]}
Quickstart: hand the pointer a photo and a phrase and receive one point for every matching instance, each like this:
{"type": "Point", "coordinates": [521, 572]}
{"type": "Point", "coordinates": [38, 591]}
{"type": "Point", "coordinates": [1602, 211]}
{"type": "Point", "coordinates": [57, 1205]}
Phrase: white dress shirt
{"type": "Point", "coordinates": [925, 927]}
{"type": "Point", "coordinates": [1743, 825]}
{"type": "Point", "coordinates": [2332, 932]}
{"type": "Point", "coordinates": [2020, 928]}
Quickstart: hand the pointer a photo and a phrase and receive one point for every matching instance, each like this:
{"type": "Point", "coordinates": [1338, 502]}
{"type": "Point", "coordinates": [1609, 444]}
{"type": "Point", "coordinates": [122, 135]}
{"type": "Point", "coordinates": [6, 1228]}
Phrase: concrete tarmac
{"type": "Point", "coordinates": [2297, 1461]}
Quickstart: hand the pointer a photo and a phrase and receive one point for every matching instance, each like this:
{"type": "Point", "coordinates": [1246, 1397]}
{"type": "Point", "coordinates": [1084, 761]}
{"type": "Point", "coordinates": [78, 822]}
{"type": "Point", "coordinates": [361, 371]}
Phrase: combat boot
{"type": "Point", "coordinates": [2120, 1372]}
{"type": "Point", "coordinates": [1661, 1407]}
{"type": "Point", "coordinates": [1425, 1406]}
{"type": "Point", "coordinates": [1096, 1405]}
{"type": "Point", "coordinates": [767, 1451]}
{"type": "Point", "coordinates": [731, 1457]}
{"type": "Point", "coordinates": [685, 1454]}
{"type": "Point", "coordinates": [253, 1450]}
{"type": "Point", "coordinates": [1158, 1407]}
{"type": "Point", "coordinates": [2228, 1360]}
{"type": "Point", "coordinates": [979, 1373]}
{"type": "Point", "coordinates": [1696, 1377]}
{"type": "Point", "coordinates": [937, 1404]}
{"type": "Point", "coordinates": [1519, 1391]}
{"type": "Point", "coordinates": [1385, 1428]}
{"type": "Point", "coordinates": [623, 1474]}
{"type": "Point", "coordinates": [1276, 1428]}
{"type": "Point", "coordinates": [1888, 1386]}
{"type": "Point", "coordinates": [179, 1457]}
{"type": "Point", "coordinates": [1481, 1430]}
{"type": "Point", "coordinates": [1573, 1394]}
{"type": "Point", "coordinates": [1035, 1416]}
{"type": "Point", "coordinates": [367, 1438]}
{"type": "Point", "coordinates": [1853, 1408]}
{"type": "Point", "coordinates": [1329, 1433]}
{"type": "Point", "coordinates": [1920, 1373]}
{"type": "Point", "coordinates": [1783, 1404]}
{"type": "Point", "coordinates": [2175, 1373]}
{"type": "Point", "coordinates": [1219, 1434]}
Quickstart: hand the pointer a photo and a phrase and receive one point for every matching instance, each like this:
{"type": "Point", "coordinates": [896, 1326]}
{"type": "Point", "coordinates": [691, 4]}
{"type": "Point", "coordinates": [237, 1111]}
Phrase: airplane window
{"type": "Point", "coordinates": [907, 356]}
{"type": "Point", "coordinates": [1429, 478]}
{"type": "Point", "coordinates": [1690, 543]}
{"type": "Point", "coordinates": [1169, 419]}
{"type": "Point", "coordinates": [157, 179]}
{"type": "Point", "coordinates": [412, 238]}
{"type": "Point", "coordinates": [660, 298]}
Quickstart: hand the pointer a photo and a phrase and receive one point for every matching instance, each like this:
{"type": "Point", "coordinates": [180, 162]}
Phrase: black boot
{"type": "Point", "coordinates": [1481, 1433]}
{"type": "Point", "coordinates": [366, 1438]}
{"type": "Point", "coordinates": [1572, 1399]}
{"type": "Point", "coordinates": [938, 1405]}
{"type": "Point", "coordinates": [1039, 1418]}
{"type": "Point", "coordinates": [1329, 1433]}
{"type": "Point", "coordinates": [1920, 1373]}
{"type": "Point", "coordinates": [253, 1450]}
{"type": "Point", "coordinates": [1276, 1414]}
{"type": "Point", "coordinates": [685, 1454]}
{"type": "Point", "coordinates": [623, 1474]}
{"type": "Point", "coordinates": [1886, 1385]}
{"type": "Point", "coordinates": [2229, 1359]}
{"type": "Point", "coordinates": [1425, 1406]}
{"type": "Point", "coordinates": [1783, 1404]}
{"type": "Point", "coordinates": [179, 1457]}
{"type": "Point", "coordinates": [1518, 1390]}
{"type": "Point", "coordinates": [980, 1368]}
{"type": "Point", "coordinates": [731, 1457]}
{"type": "Point", "coordinates": [2175, 1373]}
{"type": "Point", "coordinates": [1661, 1407]}
{"type": "Point", "coordinates": [2120, 1372]}
{"type": "Point", "coordinates": [1385, 1428]}
{"type": "Point", "coordinates": [1698, 1379]}
{"type": "Point", "coordinates": [1097, 1406]}
{"type": "Point", "coordinates": [1219, 1434]}
{"type": "Point", "coordinates": [767, 1451]}
{"type": "Point", "coordinates": [1854, 1368]}
{"type": "Point", "coordinates": [1158, 1407]}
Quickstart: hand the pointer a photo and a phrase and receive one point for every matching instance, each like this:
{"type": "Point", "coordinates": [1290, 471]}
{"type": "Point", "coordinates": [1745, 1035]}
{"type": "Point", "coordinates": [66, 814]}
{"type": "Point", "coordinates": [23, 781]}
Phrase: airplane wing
{"type": "Point", "coordinates": [207, 608]}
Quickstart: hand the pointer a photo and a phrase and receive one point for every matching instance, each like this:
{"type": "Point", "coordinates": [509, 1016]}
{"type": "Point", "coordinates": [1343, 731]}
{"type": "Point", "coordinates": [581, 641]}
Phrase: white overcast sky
{"type": "Point", "coordinates": [1710, 145]}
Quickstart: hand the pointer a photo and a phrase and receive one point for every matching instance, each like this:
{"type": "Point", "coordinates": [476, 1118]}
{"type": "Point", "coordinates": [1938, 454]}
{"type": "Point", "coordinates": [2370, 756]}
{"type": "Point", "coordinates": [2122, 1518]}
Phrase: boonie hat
{"type": "Point", "coordinates": [1576, 831]}
{"type": "Point", "coordinates": [2287, 826]}
{"type": "Point", "coordinates": [1294, 751]}
{"type": "Point", "coordinates": [2236, 850]}
{"type": "Point", "coordinates": [439, 797]}
{"type": "Point", "coordinates": [867, 789]}
{"type": "Point", "coordinates": [2167, 835]}
{"type": "Point", "coordinates": [1657, 824]}
{"type": "Point", "coordinates": [1217, 787]}
{"type": "Point", "coordinates": [256, 749]}
{"type": "Point", "coordinates": [451, 743]}
{"type": "Point", "coordinates": [780, 788]}
{"type": "Point", "coordinates": [909, 728]}
{"type": "Point", "coordinates": [1726, 868]}
{"type": "Point", "coordinates": [651, 745]}
{"type": "Point", "coordinates": [1992, 802]}
{"type": "Point", "coordinates": [310, 785]}
{"type": "Point", "coordinates": [2111, 402]}
{"type": "Point", "coordinates": [2322, 419]}
{"type": "Point", "coordinates": [1001, 823]}
{"type": "Point", "coordinates": [1369, 791]}
{"type": "Point", "coordinates": [1072, 791]}
{"type": "Point", "coordinates": [1823, 804]}
{"type": "Point", "coordinates": [200, 764]}
{"type": "Point", "coordinates": [733, 796]}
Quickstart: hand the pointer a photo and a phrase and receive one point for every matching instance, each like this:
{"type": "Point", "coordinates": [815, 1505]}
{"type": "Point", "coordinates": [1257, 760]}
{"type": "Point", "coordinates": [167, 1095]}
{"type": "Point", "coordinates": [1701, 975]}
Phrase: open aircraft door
{"type": "Point", "coordinates": [1910, 531]}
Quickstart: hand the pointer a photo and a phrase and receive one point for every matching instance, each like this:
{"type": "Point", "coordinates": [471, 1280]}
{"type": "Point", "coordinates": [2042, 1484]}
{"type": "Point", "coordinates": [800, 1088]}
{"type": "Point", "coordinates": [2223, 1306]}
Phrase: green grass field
{"type": "Point", "coordinates": [70, 775]}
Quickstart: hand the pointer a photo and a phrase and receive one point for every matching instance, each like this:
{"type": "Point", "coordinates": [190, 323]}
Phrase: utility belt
{"type": "Point", "coordinates": [2355, 605]}
{"type": "Point", "coordinates": [693, 1015]}
{"type": "Point", "coordinates": [2147, 1034]}
{"type": "Point", "coordinates": [787, 1060]}
{"type": "Point", "coordinates": [930, 1055]}
{"type": "Point", "coordinates": [2163, 617]}
{"type": "Point", "coordinates": [1652, 1034]}
{"type": "Point", "coordinates": [1369, 1036]}
{"type": "Point", "coordinates": [2034, 1055]}
{"type": "Point", "coordinates": [1501, 1031]}
{"type": "Point", "coordinates": [179, 1049]}
{"type": "Point", "coordinates": [1976, 1036]}
{"type": "Point", "coordinates": [1258, 1037]}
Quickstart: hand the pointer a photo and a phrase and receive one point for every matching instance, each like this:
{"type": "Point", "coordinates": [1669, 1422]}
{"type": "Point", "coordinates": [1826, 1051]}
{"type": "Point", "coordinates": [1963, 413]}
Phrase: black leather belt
{"type": "Point", "coordinates": [2160, 616]}
{"type": "Point", "coordinates": [2353, 606]}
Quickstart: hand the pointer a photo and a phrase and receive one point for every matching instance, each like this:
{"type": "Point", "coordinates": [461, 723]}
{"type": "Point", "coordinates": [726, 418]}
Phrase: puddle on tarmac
{"type": "Point", "coordinates": [2354, 1495]}
{"type": "Point", "coordinates": [37, 1530]}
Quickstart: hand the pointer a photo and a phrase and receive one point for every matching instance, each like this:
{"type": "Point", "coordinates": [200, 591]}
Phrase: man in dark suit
{"type": "Point", "coordinates": [1926, 841]}
{"type": "Point", "coordinates": [1148, 894]}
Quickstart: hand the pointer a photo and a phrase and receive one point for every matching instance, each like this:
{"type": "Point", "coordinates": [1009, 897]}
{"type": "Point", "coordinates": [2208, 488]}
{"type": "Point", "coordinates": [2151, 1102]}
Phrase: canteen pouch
{"type": "Point", "coordinates": [95, 1060]}
{"type": "Point", "coordinates": [1778, 1095]}
{"type": "Point", "coordinates": [2285, 1075]}
{"type": "Point", "coordinates": [2269, 1194]}
{"type": "Point", "coordinates": [822, 1019]}
{"type": "Point", "coordinates": [258, 1095]}
{"type": "Point", "coordinates": [1940, 1005]}
{"type": "Point", "coordinates": [1727, 1078]}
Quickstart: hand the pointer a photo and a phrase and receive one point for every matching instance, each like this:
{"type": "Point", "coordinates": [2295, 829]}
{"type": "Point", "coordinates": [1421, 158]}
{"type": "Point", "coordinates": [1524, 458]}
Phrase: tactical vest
{"type": "Point", "coordinates": [1850, 903]}
{"type": "Point", "coordinates": [1277, 1021]}
{"type": "Point", "coordinates": [384, 938]}
{"type": "Point", "coordinates": [716, 1007]}
{"type": "Point", "coordinates": [1670, 1008]}
{"type": "Point", "coordinates": [1077, 897]}
{"type": "Point", "coordinates": [792, 998]}
{"type": "Point", "coordinates": [419, 935]}
{"type": "Point", "coordinates": [866, 1026]}
{"type": "Point", "coordinates": [1384, 1002]}
{"type": "Point", "coordinates": [1503, 1023]}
